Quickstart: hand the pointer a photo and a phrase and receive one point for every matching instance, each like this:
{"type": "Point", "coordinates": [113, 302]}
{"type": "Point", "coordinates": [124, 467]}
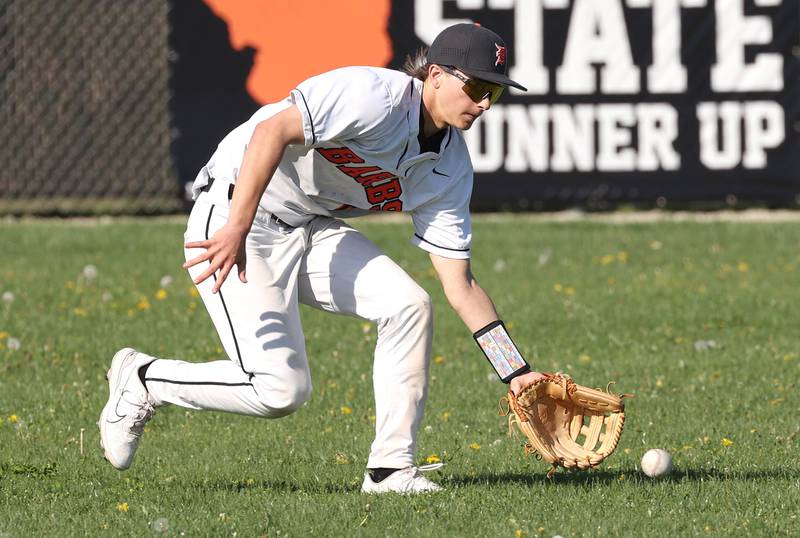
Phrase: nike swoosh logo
{"type": "Point", "coordinates": [438, 173]}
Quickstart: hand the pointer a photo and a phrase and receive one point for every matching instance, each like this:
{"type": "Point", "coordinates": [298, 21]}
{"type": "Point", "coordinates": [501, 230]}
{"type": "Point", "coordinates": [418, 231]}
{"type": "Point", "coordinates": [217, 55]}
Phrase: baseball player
{"type": "Point", "coordinates": [270, 202]}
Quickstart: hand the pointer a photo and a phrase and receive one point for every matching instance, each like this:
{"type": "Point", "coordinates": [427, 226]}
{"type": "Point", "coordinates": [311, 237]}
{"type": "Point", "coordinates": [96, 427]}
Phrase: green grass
{"type": "Point", "coordinates": [699, 320]}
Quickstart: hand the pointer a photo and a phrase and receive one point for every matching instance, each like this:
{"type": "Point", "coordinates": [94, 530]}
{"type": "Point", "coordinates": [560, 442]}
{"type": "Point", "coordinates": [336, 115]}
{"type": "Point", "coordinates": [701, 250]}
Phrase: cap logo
{"type": "Point", "coordinates": [500, 54]}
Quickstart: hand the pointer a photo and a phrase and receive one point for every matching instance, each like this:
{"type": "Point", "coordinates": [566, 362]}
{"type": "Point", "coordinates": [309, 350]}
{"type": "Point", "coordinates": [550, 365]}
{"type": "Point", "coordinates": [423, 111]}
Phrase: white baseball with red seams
{"type": "Point", "coordinates": [361, 154]}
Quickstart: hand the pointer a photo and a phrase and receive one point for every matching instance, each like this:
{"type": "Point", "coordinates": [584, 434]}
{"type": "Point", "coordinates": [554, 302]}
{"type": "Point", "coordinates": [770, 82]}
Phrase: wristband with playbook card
{"type": "Point", "coordinates": [503, 355]}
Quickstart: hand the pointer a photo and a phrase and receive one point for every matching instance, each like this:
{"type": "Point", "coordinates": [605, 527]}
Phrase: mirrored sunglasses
{"type": "Point", "coordinates": [476, 89]}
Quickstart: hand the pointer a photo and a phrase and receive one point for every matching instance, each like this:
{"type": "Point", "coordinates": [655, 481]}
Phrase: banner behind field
{"type": "Point", "coordinates": [665, 102]}
{"type": "Point", "coordinates": [653, 101]}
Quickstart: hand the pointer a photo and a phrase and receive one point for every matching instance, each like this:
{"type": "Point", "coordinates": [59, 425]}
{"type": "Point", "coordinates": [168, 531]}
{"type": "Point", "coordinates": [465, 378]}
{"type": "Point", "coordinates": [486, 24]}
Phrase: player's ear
{"type": "Point", "coordinates": [435, 75]}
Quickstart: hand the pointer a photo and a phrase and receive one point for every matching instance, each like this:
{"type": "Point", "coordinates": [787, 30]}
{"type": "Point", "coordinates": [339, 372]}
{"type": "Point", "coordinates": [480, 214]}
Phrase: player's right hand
{"type": "Point", "coordinates": [224, 250]}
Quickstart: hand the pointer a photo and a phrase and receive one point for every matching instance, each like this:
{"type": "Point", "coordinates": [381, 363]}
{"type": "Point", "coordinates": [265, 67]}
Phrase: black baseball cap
{"type": "Point", "coordinates": [475, 50]}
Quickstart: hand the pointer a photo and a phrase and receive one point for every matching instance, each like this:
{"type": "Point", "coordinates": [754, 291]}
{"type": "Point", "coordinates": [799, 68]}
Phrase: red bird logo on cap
{"type": "Point", "coordinates": [500, 54]}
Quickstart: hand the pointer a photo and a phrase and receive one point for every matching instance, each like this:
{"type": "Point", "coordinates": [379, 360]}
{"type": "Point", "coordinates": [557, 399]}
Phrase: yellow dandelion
{"type": "Point", "coordinates": [659, 383]}
{"type": "Point", "coordinates": [122, 507]}
{"type": "Point", "coordinates": [557, 288]}
{"type": "Point", "coordinates": [742, 267]}
{"type": "Point", "coordinates": [569, 290]}
{"type": "Point", "coordinates": [540, 530]}
{"type": "Point", "coordinates": [3, 335]}
{"type": "Point", "coordinates": [726, 442]}
{"type": "Point", "coordinates": [143, 303]}
{"type": "Point", "coordinates": [366, 328]}
{"type": "Point", "coordinates": [585, 359]}
{"type": "Point", "coordinates": [433, 458]}
{"type": "Point", "coordinates": [341, 459]}
{"type": "Point", "coordinates": [445, 416]}
{"type": "Point", "coordinates": [328, 430]}
{"type": "Point", "coordinates": [439, 359]}
{"type": "Point", "coordinates": [627, 450]}
{"type": "Point", "coordinates": [161, 294]}
{"type": "Point", "coordinates": [519, 533]}
{"type": "Point", "coordinates": [80, 312]}
{"type": "Point", "coordinates": [193, 292]}
{"type": "Point", "coordinates": [13, 419]}
{"type": "Point", "coordinates": [475, 446]}
{"type": "Point", "coordinates": [622, 257]}
{"type": "Point", "coordinates": [345, 410]}
{"type": "Point", "coordinates": [687, 447]}
{"type": "Point", "coordinates": [510, 325]}
{"type": "Point", "coordinates": [607, 259]}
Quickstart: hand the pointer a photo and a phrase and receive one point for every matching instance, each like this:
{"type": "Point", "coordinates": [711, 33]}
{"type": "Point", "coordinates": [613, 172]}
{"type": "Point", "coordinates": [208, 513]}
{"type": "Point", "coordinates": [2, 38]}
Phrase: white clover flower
{"type": "Point", "coordinates": [90, 272]}
{"type": "Point", "coordinates": [160, 525]}
{"type": "Point", "coordinates": [165, 281]}
{"type": "Point", "coordinates": [13, 344]}
{"type": "Point", "coordinates": [8, 297]}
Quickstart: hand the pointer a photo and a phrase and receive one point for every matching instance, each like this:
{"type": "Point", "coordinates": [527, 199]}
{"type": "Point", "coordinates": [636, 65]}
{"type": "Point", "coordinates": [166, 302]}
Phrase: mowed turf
{"type": "Point", "coordinates": [699, 320]}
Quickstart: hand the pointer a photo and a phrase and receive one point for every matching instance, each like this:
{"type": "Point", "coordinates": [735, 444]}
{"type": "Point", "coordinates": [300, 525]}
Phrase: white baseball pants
{"type": "Point", "coordinates": [325, 264]}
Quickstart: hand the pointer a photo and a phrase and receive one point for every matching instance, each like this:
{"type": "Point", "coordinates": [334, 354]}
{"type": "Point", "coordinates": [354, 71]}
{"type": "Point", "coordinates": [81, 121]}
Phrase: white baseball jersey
{"type": "Point", "coordinates": [361, 154]}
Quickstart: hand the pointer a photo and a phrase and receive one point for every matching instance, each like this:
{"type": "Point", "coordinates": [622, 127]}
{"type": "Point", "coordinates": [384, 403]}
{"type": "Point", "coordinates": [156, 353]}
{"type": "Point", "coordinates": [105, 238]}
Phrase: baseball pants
{"type": "Point", "coordinates": [325, 264]}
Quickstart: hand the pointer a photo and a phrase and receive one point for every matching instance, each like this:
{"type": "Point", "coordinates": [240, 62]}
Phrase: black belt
{"type": "Point", "coordinates": [279, 222]}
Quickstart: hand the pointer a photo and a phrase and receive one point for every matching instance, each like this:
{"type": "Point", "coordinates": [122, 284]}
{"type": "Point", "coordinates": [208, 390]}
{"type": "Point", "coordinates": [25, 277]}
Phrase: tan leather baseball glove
{"type": "Point", "coordinates": [567, 424]}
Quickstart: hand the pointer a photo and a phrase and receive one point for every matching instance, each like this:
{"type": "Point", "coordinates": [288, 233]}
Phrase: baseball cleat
{"type": "Point", "coordinates": [128, 409]}
{"type": "Point", "coordinates": [405, 481]}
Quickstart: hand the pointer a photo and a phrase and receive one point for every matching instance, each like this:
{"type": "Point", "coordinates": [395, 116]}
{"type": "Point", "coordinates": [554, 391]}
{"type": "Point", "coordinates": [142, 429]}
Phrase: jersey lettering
{"type": "Point", "coordinates": [339, 155]}
{"type": "Point", "coordinates": [374, 178]}
{"type": "Point", "coordinates": [357, 171]}
{"type": "Point", "coordinates": [383, 189]}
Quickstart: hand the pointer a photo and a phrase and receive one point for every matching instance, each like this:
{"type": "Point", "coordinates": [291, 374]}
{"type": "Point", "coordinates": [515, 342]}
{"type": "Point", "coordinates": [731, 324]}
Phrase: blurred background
{"type": "Point", "coordinates": [111, 107]}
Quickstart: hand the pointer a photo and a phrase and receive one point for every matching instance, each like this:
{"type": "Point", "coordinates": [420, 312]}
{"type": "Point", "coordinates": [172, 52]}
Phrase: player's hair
{"type": "Point", "coordinates": [416, 65]}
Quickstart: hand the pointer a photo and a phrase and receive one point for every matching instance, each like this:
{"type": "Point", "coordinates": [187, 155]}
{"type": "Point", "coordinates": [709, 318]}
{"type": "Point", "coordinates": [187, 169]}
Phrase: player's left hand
{"type": "Point", "coordinates": [523, 380]}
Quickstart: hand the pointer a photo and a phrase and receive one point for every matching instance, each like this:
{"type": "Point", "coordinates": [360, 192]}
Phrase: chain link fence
{"type": "Point", "coordinates": [84, 108]}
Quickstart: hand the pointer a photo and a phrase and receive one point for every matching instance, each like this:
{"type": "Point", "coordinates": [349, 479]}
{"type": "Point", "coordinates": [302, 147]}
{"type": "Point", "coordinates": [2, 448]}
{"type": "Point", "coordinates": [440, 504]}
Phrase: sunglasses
{"type": "Point", "coordinates": [476, 89]}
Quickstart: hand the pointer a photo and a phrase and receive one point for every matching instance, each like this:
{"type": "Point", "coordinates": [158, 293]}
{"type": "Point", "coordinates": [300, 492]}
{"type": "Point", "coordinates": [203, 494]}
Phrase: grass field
{"type": "Point", "coordinates": [699, 320]}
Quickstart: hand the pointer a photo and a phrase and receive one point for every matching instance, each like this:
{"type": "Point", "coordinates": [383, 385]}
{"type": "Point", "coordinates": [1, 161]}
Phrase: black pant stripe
{"type": "Point", "coordinates": [218, 383]}
{"type": "Point", "coordinates": [224, 306]}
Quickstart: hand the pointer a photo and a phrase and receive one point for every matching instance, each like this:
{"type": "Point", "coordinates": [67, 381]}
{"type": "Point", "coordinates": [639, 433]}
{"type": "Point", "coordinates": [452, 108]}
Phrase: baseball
{"type": "Point", "coordinates": [656, 462]}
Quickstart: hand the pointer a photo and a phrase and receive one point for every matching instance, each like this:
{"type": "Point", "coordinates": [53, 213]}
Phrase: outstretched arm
{"type": "Point", "coordinates": [264, 152]}
{"type": "Point", "coordinates": [471, 302]}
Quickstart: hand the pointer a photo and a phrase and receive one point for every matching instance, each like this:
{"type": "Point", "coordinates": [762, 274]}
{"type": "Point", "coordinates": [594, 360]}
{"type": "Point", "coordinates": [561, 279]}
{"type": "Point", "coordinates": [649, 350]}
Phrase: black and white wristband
{"type": "Point", "coordinates": [503, 355]}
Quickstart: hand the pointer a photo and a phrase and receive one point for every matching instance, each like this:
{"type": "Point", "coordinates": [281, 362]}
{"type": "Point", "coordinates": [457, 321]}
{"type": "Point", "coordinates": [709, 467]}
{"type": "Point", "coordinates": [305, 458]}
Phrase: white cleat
{"type": "Point", "coordinates": [405, 481]}
{"type": "Point", "coordinates": [128, 409]}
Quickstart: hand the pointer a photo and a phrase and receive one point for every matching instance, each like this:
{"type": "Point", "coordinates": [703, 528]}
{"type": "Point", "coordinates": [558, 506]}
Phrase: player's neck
{"type": "Point", "coordinates": [432, 121]}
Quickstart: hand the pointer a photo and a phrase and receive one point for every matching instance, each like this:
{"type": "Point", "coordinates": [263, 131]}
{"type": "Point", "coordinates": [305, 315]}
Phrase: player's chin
{"type": "Point", "coordinates": [466, 121]}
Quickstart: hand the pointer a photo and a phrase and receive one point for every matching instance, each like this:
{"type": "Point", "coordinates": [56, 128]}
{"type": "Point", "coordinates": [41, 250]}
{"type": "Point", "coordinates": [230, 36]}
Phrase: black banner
{"type": "Point", "coordinates": [648, 102]}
